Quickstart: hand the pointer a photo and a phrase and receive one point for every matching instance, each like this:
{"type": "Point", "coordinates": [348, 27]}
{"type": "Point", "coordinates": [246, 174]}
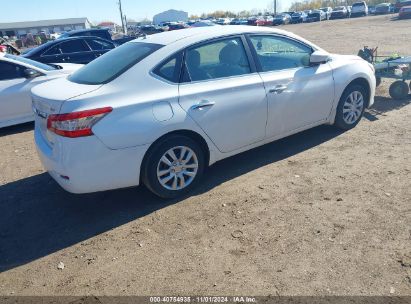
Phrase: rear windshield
{"type": "Point", "coordinates": [114, 63]}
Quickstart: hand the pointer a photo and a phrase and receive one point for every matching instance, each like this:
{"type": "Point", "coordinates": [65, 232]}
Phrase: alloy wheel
{"type": "Point", "coordinates": [177, 168]}
{"type": "Point", "coordinates": [353, 107]}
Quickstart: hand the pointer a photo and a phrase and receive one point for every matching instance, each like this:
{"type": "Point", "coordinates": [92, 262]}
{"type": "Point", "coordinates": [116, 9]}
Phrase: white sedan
{"type": "Point", "coordinates": [18, 76]}
{"type": "Point", "coordinates": [158, 110]}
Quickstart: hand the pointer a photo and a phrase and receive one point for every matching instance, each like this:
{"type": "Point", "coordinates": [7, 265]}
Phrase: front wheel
{"type": "Point", "coordinates": [173, 166]}
{"type": "Point", "coordinates": [351, 107]}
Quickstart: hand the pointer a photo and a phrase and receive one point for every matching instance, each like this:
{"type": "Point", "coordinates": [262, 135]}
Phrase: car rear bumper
{"type": "Point", "coordinates": [86, 165]}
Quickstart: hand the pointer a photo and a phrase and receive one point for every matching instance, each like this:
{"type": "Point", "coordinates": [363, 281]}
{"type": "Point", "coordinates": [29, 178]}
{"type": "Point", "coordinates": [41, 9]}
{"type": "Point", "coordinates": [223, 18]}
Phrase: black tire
{"type": "Point", "coordinates": [399, 90]}
{"type": "Point", "coordinates": [339, 117]}
{"type": "Point", "coordinates": [378, 81]}
{"type": "Point", "coordinates": [152, 160]}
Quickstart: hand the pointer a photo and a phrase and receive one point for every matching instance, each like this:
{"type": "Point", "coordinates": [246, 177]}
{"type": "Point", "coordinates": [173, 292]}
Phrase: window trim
{"type": "Point", "coordinates": [255, 55]}
{"type": "Point", "coordinates": [180, 60]}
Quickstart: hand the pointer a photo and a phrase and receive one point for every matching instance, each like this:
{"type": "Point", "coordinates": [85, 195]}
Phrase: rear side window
{"type": "Point", "coordinates": [171, 69]}
{"type": "Point", "coordinates": [114, 63]}
{"type": "Point", "coordinates": [98, 45]}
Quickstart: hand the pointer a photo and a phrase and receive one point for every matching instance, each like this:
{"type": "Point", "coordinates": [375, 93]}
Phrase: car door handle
{"type": "Point", "coordinates": [278, 89]}
{"type": "Point", "coordinates": [203, 104]}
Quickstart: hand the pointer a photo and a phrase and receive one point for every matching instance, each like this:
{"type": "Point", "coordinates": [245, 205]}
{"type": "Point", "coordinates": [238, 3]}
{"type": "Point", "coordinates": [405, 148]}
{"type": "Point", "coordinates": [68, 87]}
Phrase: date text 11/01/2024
{"type": "Point", "coordinates": [205, 299]}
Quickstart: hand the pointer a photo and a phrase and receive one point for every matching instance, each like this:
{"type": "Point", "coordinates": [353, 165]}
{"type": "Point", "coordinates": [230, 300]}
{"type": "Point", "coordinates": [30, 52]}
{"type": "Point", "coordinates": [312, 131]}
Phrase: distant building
{"type": "Point", "coordinates": [170, 16]}
{"type": "Point", "coordinates": [48, 26]}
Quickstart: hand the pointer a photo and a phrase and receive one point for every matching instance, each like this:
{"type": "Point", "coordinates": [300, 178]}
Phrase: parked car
{"type": "Point", "coordinates": [298, 17]}
{"type": "Point", "coordinates": [265, 21]}
{"type": "Point", "coordinates": [401, 3]}
{"type": "Point", "coordinates": [339, 12]}
{"type": "Point", "coordinates": [316, 15]}
{"type": "Point", "coordinates": [102, 33]}
{"type": "Point", "coordinates": [177, 26]}
{"type": "Point", "coordinates": [71, 50]}
{"type": "Point", "coordinates": [405, 12]}
{"type": "Point", "coordinates": [383, 8]}
{"type": "Point", "coordinates": [327, 10]}
{"type": "Point", "coordinates": [17, 76]}
{"type": "Point", "coordinates": [158, 111]}
{"type": "Point", "coordinates": [359, 9]}
{"type": "Point", "coordinates": [252, 21]}
{"type": "Point", "coordinates": [282, 19]}
{"type": "Point", "coordinates": [151, 29]}
{"type": "Point", "coordinates": [371, 9]}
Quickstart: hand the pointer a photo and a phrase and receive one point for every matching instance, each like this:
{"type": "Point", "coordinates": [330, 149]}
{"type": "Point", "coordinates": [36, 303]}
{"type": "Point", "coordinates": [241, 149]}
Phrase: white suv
{"type": "Point", "coordinates": [359, 9]}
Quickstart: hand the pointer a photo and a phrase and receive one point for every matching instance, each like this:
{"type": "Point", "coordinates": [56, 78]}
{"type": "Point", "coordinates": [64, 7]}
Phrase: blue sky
{"type": "Point", "coordinates": [100, 10]}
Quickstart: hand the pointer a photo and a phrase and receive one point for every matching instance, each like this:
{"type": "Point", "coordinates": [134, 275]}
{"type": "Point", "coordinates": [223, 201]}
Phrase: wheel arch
{"type": "Point", "coordinates": [365, 84]}
{"type": "Point", "coordinates": [188, 133]}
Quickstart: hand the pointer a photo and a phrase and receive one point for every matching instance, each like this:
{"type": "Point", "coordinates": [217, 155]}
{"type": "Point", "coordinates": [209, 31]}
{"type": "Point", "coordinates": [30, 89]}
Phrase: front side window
{"type": "Point", "coordinates": [223, 58]}
{"type": "Point", "coordinates": [10, 71]}
{"type": "Point", "coordinates": [114, 63]}
{"type": "Point", "coordinates": [278, 53]}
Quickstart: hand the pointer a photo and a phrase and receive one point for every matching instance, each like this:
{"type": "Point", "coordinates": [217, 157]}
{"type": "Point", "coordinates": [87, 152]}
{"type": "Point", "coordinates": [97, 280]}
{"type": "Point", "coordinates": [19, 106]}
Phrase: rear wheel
{"type": "Point", "coordinates": [399, 89]}
{"type": "Point", "coordinates": [351, 107]}
{"type": "Point", "coordinates": [173, 166]}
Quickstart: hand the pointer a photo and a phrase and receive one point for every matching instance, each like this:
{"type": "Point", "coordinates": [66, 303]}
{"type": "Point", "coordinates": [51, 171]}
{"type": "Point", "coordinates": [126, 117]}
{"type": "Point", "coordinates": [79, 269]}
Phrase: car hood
{"type": "Point", "coordinates": [62, 89]}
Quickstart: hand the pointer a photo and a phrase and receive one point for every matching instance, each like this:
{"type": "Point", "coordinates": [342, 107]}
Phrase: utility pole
{"type": "Point", "coordinates": [275, 7]}
{"type": "Point", "coordinates": [122, 18]}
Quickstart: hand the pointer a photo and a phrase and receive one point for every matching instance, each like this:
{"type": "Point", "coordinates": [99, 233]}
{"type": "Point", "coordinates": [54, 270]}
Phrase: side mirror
{"type": "Point", "coordinates": [319, 57]}
{"type": "Point", "coordinates": [30, 73]}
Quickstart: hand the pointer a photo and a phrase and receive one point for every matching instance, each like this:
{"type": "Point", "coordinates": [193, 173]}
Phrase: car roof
{"type": "Point", "coordinates": [85, 30]}
{"type": "Point", "coordinates": [203, 33]}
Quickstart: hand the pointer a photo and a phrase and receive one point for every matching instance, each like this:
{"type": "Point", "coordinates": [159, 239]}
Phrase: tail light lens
{"type": "Point", "coordinates": [76, 124]}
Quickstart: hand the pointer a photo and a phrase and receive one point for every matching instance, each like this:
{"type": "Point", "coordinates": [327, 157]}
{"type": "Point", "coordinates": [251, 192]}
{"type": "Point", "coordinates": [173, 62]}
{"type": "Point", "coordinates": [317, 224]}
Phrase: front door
{"type": "Point", "coordinates": [223, 95]}
{"type": "Point", "coordinates": [299, 95]}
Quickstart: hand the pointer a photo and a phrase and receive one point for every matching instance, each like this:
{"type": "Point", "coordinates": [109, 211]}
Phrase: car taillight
{"type": "Point", "coordinates": [76, 124]}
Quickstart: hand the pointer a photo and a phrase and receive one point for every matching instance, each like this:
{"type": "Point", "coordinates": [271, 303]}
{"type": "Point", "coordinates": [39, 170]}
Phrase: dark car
{"type": "Point", "coordinates": [298, 17]}
{"type": "Point", "coordinates": [401, 3]}
{"type": "Point", "coordinates": [282, 19]}
{"type": "Point", "coordinates": [102, 33]}
{"type": "Point", "coordinates": [405, 12]}
{"type": "Point", "coordinates": [151, 29]}
{"type": "Point", "coordinates": [340, 12]}
{"type": "Point", "coordinates": [383, 8]}
{"type": "Point", "coordinates": [71, 50]}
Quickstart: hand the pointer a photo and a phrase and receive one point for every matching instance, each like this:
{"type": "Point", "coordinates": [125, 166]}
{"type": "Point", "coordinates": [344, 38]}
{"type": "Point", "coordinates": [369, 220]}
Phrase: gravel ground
{"type": "Point", "coordinates": [318, 213]}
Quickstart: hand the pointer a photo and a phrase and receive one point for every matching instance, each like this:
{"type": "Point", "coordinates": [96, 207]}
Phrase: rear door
{"type": "Point", "coordinates": [223, 94]}
{"type": "Point", "coordinates": [299, 95]}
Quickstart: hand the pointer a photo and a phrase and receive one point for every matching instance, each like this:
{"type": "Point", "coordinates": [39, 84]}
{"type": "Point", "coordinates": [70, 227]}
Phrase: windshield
{"type": "Point", "coordinates": [339, 8]}
{"type": "Point", "coordinates": [114, 63]}
{"type": "Point", "coordinates": [358, 4]}
{"type": "Point", "coordinates": [31, 62]}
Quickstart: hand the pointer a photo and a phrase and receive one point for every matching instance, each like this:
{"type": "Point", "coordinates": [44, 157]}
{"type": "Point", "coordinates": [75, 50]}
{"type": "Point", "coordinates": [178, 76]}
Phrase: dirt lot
{"type": "Point", "coordinates": [319, 213]}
